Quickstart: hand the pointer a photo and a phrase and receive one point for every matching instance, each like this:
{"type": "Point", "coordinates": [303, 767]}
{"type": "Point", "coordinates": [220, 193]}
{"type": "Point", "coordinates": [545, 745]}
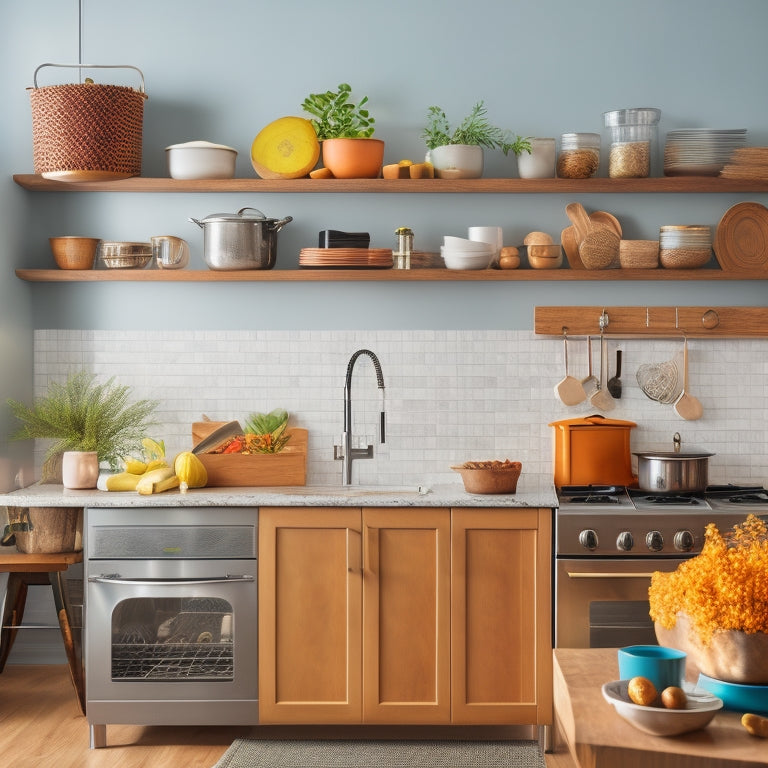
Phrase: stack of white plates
{"type": "Point", "coordinates": [460, 253]}
{"type": "Point", "coordinates": [700, 151]}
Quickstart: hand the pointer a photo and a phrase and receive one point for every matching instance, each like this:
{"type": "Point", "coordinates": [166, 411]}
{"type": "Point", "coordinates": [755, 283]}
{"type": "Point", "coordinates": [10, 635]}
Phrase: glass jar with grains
{"type": "Point", "coordinates": [632, 136]}
{"type": "Point", "coordinates": [579, 156]}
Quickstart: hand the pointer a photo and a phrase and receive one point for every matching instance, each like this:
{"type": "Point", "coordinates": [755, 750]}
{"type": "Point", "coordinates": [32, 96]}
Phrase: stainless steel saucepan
{"type": "Point", "coordinates": [240, 240]}
{"type": "Point", "coordinates": [672, 471]}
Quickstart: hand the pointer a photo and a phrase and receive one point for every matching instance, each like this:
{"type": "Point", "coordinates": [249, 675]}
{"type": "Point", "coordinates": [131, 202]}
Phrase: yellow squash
{"type": "Point", "coordinates": [190, 471]}
{"type": "Point", "coordinates": [285, 149]}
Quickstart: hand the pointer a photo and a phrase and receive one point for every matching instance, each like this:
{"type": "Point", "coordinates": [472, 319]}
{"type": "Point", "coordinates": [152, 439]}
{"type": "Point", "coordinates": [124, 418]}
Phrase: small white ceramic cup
{"type": "Point", "coordinates": [492, 235]}
{"type": "Point", "coordinates": [79, 469]}
{"type": "Point", "coordinates": [540, 162]}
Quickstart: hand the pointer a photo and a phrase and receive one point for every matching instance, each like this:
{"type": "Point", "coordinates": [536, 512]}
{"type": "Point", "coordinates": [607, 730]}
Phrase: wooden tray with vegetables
{"type": "Point", "coordinates": [276, 457]}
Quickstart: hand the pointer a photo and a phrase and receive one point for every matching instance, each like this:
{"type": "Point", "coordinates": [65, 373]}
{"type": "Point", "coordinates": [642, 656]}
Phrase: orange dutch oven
{"type": "Point", "coordinates": [593, 450]}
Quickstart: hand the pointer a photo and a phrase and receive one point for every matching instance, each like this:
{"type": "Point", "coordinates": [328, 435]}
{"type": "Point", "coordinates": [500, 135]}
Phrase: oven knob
{"type": "Point", "coordinates": [625, 541]}
{"type": "Point", "coordinates": [684, 541]}
{"type": "Point", "coordinates": [654, 541]}
{"type": "Point", "coordinates": [588, 539]}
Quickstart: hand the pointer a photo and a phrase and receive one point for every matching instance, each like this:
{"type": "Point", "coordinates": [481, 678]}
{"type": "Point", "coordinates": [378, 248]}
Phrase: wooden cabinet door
{"type": "Point", "coordinates": [406, 615]}
{"type": "Point", "coordinates": [501, 655]}
{"type": "Point", "coordinates": [309, 615]}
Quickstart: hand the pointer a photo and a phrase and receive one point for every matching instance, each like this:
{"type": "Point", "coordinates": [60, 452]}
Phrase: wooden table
{"type": "Point", "coordinates": [598, 738]}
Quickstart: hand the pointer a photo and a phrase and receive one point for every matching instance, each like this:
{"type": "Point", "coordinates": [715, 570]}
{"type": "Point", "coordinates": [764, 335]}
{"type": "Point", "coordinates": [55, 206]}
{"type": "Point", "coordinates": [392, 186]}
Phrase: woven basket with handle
{"type": "Point", "coordinates": [87, 131]}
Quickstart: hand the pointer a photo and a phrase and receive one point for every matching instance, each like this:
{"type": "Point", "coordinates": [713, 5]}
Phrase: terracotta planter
{"type": "Point", "coordinates": [457, 161]}
{"type": "Point", "coordinates": [79, 469]}
{"type": "Point", "coordinates": [731, 656]}
{"type": "Point", "coordinates": [353, 158]}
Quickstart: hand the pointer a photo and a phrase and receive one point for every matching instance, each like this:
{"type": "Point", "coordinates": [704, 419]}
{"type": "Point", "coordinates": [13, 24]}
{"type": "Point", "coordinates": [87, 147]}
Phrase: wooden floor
{"type": "Point", "coordinates": [41, 727]}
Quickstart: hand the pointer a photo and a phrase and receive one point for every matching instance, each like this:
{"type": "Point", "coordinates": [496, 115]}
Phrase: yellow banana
{"type": "Point", "coordinates": [157, 481]}
{"type": "Point", "coordinates": [135, 466]}
{"type": "Point", "coordinates": [155, 464]}
{"type": "Point", "coordinates": [123, 481]}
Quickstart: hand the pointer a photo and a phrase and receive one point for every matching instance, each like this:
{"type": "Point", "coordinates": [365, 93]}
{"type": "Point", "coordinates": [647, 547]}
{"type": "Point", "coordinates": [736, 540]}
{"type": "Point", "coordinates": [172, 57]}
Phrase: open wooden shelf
{"type": "Point", "coordinates": [679, 184]}
{"type": "Point", "coordinates": [377, 275]}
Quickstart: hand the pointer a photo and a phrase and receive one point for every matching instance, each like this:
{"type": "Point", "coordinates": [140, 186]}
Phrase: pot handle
{"type": "Point", "coordinates": [677, 441]}
{"type": "Point", "coordinates": [278, 225]}
{"type": "Point", "coordinates": [195, 221]}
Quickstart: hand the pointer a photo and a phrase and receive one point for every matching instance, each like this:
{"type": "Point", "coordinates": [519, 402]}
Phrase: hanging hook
{"type": "Point", "coordinates": [604, 320]}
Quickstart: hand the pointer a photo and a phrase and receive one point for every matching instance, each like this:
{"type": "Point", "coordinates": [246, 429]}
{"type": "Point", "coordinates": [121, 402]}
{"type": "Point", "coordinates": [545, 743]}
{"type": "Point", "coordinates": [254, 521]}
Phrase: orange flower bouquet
{"type": "Point", "coordinates": [715, 605]}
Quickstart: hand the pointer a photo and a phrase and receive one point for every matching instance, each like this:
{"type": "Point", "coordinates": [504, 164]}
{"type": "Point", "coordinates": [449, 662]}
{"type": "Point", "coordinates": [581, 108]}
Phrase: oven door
{"type": "Point", "coordinates": [603, 603]}
{"type": "Point", "coordinates": [182, 631]}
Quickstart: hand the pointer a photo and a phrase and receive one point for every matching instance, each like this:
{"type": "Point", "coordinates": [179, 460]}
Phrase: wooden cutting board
{"type": "Point", "coordinates": [741, 238]}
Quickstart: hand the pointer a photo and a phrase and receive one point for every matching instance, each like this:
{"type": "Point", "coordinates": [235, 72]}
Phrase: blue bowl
{"type": "Point", "coordinates": [661, 665]}
{"type": "Point", "coordinates": [737, 696]}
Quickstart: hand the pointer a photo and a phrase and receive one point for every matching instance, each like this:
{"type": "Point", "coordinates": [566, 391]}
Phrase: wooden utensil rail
{"type": "Point", "coordinates": [653, 322]}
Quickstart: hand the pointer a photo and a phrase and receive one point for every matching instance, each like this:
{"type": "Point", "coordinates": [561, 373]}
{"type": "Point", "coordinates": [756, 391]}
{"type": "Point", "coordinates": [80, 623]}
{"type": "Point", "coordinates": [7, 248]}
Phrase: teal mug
{"type": "Point", "coordinates": [662, 666]}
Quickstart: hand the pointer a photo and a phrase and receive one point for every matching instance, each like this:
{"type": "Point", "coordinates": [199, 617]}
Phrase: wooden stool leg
{"type": "Point", "coordinates": [13, 613]}
{"type": "Point", "coordinates": [75, 664]}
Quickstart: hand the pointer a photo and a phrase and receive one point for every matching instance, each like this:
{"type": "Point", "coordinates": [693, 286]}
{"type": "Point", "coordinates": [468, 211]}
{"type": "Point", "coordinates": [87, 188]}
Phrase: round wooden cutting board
{"type": "Point", "coordinates": [741, 238]}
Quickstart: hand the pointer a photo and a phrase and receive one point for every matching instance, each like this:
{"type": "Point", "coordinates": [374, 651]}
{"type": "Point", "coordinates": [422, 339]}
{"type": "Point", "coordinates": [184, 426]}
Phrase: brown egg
{"type": "Point", "coordinates": [674, 697]}
{"type": "Point", "coordinates": [642, 691]}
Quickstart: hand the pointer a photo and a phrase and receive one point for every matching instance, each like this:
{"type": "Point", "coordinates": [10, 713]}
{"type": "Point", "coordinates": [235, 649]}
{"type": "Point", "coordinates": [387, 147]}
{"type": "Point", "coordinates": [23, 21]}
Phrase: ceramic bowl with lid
{"type": "Point", "coordinates": [200, 160]}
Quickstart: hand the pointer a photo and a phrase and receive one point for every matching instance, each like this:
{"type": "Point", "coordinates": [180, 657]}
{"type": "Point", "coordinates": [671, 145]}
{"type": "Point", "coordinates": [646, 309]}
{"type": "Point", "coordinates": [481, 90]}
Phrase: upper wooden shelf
{"type": "Point", "coordinates": [377, 275]}
{"type": "Point", "coordinates": [680, 184]}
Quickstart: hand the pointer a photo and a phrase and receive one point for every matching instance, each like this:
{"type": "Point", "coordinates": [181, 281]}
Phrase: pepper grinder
{"type": "Point", "coordinates": [403, 248]}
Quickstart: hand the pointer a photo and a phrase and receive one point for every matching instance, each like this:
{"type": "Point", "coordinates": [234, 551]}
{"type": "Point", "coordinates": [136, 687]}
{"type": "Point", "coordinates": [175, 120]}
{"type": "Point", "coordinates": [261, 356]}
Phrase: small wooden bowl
{"type": "Point", "coordinates": [74, 252]}
{"type": "Point", "coordinates": [548, 256]}
{"type": "Point", "coordinates": [490, 480]}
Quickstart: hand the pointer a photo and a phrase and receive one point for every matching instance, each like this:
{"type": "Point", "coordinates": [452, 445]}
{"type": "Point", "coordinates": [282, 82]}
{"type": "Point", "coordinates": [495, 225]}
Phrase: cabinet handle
{"type": "Point", "coordinates": [616, 575]}
{"type": "Point", "coordinates": [354, 564]}
{"type": "Point", "coordinates": [371, 550]}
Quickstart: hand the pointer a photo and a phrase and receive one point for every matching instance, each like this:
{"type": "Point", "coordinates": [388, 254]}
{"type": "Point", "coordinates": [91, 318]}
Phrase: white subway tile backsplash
{"type": "Point", "coordinates": [450, 395]}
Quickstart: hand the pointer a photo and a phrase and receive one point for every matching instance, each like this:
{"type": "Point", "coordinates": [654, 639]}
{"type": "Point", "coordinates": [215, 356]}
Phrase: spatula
{"type": "Point", "coordinates": [569, 389]}
{"type": "Point", "coordinates": [614, 383]}
{"type": "Point", "coordinates": [687, 406]}
{"type": "Point", "coordinates": [601, 398]}
{"type": "Point", "coordinates": [589, 383]}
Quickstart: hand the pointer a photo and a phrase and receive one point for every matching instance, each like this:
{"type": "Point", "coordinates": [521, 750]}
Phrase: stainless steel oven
{"type": "Point", "coordinates": [608, 542]}
{"type": "Point", "coordinates": [171, 617]}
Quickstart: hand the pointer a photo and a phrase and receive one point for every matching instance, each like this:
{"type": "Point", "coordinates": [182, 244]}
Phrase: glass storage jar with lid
{"type": "Point", "coordinates": [579, 156]}
{"type": "Point", "coordinates": [633, 138]}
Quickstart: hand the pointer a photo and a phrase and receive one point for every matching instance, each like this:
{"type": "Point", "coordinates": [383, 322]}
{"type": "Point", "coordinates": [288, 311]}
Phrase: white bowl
{"type": "Point", "coordinates": [462, 243]}
{"type": "Point", "coordinates": [200, 160]}
{"type": "Point", "coordinates": [700, 708]}
{"type": "Point", "coordinates": [463, 260]}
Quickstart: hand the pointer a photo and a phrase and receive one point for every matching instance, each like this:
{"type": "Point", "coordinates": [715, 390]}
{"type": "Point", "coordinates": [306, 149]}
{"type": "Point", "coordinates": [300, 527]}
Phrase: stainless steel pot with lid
{"type": "Point", "coordinates": [243, 240]}
{"type": "Point", "coordinates": [672, 470]}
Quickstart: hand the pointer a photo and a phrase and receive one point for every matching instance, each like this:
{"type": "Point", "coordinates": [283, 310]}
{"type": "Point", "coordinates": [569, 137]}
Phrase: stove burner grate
{"type": "Point", "coordinates": [597, 498]}
{"type": "Point", "coordinates": [669, 500]}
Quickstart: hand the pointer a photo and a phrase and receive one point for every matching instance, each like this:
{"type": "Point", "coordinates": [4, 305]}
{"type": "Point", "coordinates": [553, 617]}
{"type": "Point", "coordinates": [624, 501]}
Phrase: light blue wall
{"type": "Point", "coordinates": [222, 71]}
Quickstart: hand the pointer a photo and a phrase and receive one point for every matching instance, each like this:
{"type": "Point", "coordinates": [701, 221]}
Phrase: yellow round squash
{"type": "Point", "coordinates": [190, 471]}
{"type": "Point", "coordinates": [287, 148]}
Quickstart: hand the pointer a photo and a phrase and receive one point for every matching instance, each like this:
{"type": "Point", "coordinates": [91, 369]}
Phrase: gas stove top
{"type": "Point", "coordinates": [611, 521]}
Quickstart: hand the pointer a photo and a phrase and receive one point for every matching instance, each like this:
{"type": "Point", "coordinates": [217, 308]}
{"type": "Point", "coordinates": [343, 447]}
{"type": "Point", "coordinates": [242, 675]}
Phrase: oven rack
{"type": "Point", "coordinates": [173, 661]}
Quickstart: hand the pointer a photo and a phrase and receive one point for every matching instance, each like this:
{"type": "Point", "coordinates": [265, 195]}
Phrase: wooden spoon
{"type": "Point", "coordinates": [687, 406]}
{"type": "Point", "coordinates": [571, 247]}
{"type": "Point", "coordinates": [601, 398]}
{"type": "Point", "coordinates": [569, 389]}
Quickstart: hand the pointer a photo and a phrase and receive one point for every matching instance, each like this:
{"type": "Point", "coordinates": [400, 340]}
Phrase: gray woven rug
{"type": "Point", "coordinates": [288, 753]}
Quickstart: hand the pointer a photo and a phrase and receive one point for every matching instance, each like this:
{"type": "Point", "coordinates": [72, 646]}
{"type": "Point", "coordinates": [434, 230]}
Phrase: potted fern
{"type": "Point", "coordinates": [345, 131]}
{"type": "Point", "coordinates": [94, 422]}
{"type": "Point", "coordinates": [457, 153]}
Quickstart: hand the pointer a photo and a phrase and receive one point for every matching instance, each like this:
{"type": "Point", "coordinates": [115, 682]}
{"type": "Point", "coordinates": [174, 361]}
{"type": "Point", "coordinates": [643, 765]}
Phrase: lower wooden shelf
{"type": "Point", "coordinates": [378, 275]}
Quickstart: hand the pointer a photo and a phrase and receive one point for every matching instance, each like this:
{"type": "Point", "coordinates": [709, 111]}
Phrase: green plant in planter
{"type": "Point", "coordinates": [81, 415]}
{"type": "Point", "coordinates": [474, 129]}
{"type": "Point", "coordinates": [335, 117]}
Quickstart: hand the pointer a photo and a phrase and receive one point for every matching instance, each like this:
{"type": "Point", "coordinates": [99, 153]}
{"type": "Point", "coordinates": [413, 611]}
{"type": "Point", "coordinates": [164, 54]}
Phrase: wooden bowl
{"type": "Point", "coordinates": [490, 480]}
{"type": "Point", "coordinates": [74, 252]}
{"type": "Point", "coordinates": [548, 256]}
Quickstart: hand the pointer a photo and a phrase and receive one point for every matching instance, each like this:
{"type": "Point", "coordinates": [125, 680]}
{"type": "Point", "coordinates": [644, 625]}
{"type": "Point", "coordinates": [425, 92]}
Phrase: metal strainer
{"type": "Point", "coordinates": [661, 381]}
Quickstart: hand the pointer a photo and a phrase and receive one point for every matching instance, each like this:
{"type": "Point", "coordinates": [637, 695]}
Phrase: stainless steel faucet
{"type": "Point", "coordinates": [345, 451]}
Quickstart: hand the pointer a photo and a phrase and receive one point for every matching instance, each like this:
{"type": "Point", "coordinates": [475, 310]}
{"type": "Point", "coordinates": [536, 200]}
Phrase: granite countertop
{"type": "Point", "coordinates": [532, 491]}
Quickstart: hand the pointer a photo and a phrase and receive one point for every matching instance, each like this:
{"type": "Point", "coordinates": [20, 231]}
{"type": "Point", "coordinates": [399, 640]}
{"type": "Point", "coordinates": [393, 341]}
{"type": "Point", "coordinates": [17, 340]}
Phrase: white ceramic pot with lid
{"type": "Point", "coordinates": [200, 160]}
